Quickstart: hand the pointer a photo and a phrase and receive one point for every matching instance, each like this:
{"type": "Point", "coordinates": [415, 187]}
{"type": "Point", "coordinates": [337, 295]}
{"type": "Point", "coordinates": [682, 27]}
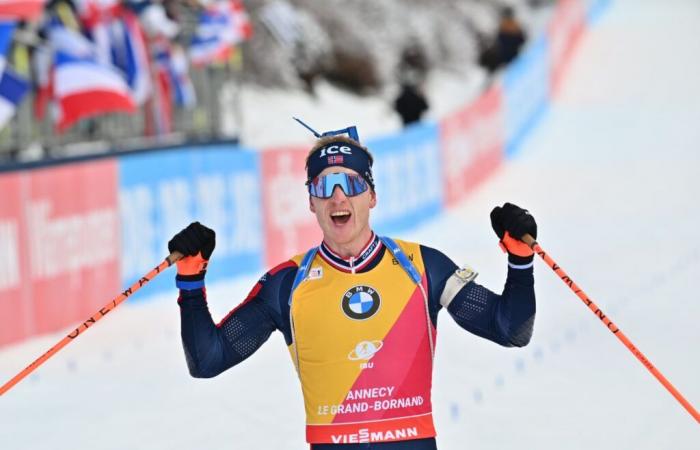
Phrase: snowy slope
{"type": "Point", "coordinates": [610, 176]}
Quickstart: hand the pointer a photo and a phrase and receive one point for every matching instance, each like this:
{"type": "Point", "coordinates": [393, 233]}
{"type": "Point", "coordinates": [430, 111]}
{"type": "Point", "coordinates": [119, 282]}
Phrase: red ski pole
{"type": "Point", "coordinates": [167, 262]}
{"type": "Point", "coordinates": [530, 241]}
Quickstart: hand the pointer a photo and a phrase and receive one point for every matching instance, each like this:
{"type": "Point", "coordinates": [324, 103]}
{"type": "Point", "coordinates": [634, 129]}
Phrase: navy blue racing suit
{"type": "Point", "coordinates": [211, 348]}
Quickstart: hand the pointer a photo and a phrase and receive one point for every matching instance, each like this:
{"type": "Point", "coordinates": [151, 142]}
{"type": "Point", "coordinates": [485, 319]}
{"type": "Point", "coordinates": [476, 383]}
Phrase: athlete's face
{"type": "Point", "coordinates": [344, 220]}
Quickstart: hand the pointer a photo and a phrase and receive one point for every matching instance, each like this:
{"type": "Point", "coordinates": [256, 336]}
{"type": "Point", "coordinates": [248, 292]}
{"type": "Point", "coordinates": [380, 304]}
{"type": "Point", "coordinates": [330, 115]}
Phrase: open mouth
{"type": "Point", "coordinates": [340, 217]}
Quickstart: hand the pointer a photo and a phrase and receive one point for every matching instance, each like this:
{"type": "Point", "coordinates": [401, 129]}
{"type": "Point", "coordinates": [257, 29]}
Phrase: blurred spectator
{"type": "Point", "coordinates": [505, 45]}
{"type": "Point", "coordinates": [411, 103]}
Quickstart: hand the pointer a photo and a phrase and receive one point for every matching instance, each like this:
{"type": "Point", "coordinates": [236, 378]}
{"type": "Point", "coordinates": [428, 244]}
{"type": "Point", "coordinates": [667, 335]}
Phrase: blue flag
{"type": "Point", "coordinates": [12, 90]}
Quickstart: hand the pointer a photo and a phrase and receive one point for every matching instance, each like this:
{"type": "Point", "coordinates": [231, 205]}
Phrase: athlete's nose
{"type": "Point", "coordinates": [338, 193]}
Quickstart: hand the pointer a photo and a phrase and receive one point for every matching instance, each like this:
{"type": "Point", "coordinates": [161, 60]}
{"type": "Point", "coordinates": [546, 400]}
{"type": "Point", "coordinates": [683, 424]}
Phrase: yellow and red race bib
{"type": "Point", "coordinates": [362, 346]}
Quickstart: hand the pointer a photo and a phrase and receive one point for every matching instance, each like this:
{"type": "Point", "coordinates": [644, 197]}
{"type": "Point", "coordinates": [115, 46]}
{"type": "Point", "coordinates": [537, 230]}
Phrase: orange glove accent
{"type": "Point", "coordinates": [192, 265]}
{"type": "Point", "coordinates": [515, 246]}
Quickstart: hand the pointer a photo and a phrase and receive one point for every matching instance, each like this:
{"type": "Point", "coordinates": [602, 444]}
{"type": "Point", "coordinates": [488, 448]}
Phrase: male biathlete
{"type": "Point", "coordinates": [358, 312]}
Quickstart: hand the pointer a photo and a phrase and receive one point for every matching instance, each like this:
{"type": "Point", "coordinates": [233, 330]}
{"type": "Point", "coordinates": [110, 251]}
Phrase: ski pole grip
{"type": "Point", "coordinates": [529, 240]}
{"type": "Point", "coordinates": [174, 257]}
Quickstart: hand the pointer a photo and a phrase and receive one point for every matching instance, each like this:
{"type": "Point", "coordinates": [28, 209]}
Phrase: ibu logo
{"type": "Point", "coordinates": [361, 302]}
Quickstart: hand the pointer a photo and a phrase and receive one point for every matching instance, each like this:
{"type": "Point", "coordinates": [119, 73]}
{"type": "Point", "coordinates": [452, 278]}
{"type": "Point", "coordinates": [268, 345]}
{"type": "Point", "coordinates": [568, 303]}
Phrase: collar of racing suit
{"type": "Point", "coordinates": [368, 257]}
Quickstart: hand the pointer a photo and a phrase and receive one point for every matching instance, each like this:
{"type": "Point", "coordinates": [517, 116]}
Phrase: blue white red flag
{"type": "Point", "coordinates": [222, 25]}
{"type": "Point", "coordinates": [83, 87]}
{"type": "Point", "coordinates": [183, 92]}
{"type": "Point", "coordinates": [130, 55]}
{"type": "Point", "coordinates": [160, 121]}
{"type": "Point", "coordinates": [171, 61]}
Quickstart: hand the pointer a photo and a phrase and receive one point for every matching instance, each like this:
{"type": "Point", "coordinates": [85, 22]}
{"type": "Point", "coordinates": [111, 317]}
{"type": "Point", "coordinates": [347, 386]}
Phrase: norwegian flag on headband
{"type": "Point", "coordinates": [222, 25]}
{"type": "Point", "coordinates": [21, 9]}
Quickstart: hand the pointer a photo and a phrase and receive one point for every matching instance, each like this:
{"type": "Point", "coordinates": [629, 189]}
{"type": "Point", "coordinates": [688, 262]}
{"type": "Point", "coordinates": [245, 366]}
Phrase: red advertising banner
{"type": "Point", "coordinates": [290, 227]}
{"type": "Point", "coordinates": [565, 28]}
{"type": "Point", "coordinates": [471, 142]}
{"type": "Point", "coordinates": [16, 317]}
{"type": "Point", "coordinates": [68, 245]}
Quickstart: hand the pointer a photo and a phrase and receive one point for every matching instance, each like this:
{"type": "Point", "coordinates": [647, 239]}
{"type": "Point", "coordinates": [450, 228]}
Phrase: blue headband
{"type": "Point", "coordinates": [340, 153]}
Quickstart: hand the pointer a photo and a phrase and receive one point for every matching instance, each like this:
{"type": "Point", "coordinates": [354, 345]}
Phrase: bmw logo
{"type": "Point", "coordinates": [361, 302]}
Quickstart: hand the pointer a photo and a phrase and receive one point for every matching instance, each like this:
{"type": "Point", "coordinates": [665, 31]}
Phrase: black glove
{"type": "Point", "coordinates": [511, 223]}
{"type": "Point", "coordinates": [513, 219]}
{"type": "Point", "coordinates": [194, 239]}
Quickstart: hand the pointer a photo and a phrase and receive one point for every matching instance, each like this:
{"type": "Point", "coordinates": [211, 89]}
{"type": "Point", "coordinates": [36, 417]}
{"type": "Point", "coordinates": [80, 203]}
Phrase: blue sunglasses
{"type": "Point", "coordinates": [323, 186]}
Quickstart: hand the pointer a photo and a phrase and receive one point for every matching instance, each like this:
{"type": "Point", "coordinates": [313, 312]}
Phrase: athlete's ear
{"type": "Point", "coordinates": [372, 198]}
{"type": "Point", "coordinates": [311, 205]}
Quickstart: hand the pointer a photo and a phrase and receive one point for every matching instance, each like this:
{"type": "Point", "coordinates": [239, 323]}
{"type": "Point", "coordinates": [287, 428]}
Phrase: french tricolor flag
{"type": "Point", "coordinates": [21, 9]}
{"type": "Point", "coordinates": [83, 87]}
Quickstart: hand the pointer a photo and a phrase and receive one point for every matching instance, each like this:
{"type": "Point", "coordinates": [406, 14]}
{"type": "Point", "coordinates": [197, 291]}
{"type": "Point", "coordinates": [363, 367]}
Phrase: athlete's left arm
{"type": "Point", "coordinates": [506, 319]}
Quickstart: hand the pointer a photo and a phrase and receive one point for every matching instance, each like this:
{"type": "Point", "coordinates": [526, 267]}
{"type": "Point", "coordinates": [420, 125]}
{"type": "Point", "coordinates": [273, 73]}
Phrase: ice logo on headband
{"type": "Point", "coordinates": [334, 150]}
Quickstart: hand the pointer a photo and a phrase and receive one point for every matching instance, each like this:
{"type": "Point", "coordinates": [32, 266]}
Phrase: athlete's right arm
{"type": "Point", "coordinates": [212, 348]}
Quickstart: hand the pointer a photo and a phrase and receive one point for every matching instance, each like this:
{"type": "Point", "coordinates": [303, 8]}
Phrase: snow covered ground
{"type": "Point", "coordinates": [610, 175]}
{"type": "Point", "coordinates": [268, 120]}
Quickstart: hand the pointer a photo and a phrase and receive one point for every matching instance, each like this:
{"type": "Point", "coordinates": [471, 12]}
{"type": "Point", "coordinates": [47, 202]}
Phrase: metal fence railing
{"type": "Point", "coordinates": [26, 137]}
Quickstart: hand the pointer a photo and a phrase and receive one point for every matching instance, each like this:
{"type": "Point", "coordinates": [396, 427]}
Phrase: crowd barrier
{"type": "Point", "coordinates": [72, 234]}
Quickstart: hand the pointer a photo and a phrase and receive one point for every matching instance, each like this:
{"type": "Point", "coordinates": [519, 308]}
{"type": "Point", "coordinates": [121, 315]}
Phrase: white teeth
{"type": "Point", "coordinates": [340, 213]}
